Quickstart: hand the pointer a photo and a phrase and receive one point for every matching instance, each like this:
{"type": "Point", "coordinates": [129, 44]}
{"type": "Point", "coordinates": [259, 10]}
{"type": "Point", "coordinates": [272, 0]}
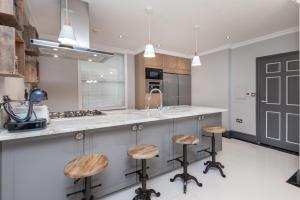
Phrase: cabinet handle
{"type": "Point", "coordinates": [140, 127]}
{"type": "Point", "coordinates": [134, 128]}
{"type": "Point", "coordinates": [79, 136]}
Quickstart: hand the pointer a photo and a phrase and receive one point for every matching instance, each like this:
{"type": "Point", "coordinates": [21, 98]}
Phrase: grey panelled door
{"type": "Point", "coordinates": [278, 100]}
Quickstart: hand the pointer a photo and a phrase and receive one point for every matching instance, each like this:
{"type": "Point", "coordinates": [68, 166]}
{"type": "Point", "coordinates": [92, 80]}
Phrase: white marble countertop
{"type": "Point", "coordinates": [110, 119]}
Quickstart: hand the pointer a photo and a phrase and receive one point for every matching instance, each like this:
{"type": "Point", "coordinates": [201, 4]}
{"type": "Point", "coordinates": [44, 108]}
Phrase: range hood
{"type": "Point", "coordinates": [79, 14]}
{"type": "Point", "coordinates": [55, 49]}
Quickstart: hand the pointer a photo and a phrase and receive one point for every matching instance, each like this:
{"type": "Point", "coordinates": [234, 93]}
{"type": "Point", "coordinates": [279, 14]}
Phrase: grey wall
{"type": "Point", "coordinates": [227, 75]}
{"type": "Point", "coordinates": [210, 82]}
{"type": "Point", "coordinates": [243, 78]}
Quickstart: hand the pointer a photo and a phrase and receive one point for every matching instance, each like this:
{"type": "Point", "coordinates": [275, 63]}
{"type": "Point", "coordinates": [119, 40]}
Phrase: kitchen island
{"type": "Point", "coordinates": [32, 162]}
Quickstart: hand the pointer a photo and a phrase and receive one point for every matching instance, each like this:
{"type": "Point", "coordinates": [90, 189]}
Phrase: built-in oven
{"type": "Point", "coordinates": [152, 73]}
{"type": "Point", "coordinates": [153, 79]}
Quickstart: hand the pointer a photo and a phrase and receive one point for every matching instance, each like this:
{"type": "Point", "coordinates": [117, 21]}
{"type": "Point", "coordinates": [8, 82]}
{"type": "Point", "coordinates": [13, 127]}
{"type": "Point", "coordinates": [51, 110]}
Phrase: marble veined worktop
{"type": "Point", "coordinates": [111, 119]}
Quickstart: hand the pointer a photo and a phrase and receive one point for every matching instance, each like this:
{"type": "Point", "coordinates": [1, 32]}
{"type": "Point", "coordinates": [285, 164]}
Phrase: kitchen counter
{"type": "Point", "coordinates": [40, 156]}
{"type": "Point", "coordinates": [111, 119]}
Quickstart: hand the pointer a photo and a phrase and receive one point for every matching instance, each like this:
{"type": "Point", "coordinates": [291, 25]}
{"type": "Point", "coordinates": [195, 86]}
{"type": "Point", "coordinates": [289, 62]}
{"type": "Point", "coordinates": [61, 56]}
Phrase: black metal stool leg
{"type": "Point", "coordinates": [185, 176]}
{"type": "Point", "coordinates": [88, 189]}
{"type": "Point", "coordinates": [213, 163]}
{"type": "Point", "coordinates": [143, 193]}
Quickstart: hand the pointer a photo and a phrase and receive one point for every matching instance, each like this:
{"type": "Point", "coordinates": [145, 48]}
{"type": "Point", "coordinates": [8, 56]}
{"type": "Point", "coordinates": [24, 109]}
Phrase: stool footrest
{"type": "Point", "coordinates": [139, 172]}
{"type": "Point", "coordinates": [176, 159]}
{"type": "Point", "coordinates": [77, 192]}
{"type": "Point", "coordinates": [205, 150]}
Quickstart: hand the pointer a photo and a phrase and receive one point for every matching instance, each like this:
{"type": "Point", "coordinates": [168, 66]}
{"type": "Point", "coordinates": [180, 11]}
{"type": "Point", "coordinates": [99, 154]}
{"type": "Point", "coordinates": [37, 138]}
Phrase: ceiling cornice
{"type": "Point", "coordinates": [266, 37]}
{"type": "Point", "coordinates": [228, 46]}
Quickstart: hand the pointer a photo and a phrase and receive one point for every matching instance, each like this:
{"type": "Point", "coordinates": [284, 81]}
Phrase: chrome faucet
{"type": "Point", "coordinates": [161, 98]}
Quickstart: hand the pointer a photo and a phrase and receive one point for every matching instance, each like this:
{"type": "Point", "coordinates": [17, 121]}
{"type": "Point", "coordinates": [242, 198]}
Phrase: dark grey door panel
{"type": "Point", "coordinates": [170, 89]}
{"type": "Point", "coordinates": [278, 100]}
{"type": "Point", "coordinates": [184, 89]}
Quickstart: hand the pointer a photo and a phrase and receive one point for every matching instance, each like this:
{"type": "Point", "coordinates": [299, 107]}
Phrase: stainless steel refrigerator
{"type": "Point", "coordinates": [176, 89]}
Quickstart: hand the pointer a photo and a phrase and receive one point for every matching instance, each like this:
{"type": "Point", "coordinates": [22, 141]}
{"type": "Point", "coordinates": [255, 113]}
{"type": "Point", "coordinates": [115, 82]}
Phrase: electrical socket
{"type": "Point", "coordinates": [238, 120]}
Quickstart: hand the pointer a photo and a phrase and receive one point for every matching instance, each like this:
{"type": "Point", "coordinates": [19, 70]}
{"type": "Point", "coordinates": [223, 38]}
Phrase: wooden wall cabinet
{"type": "Point", "coordinates": [177, 65]}
{"type": "Point", "coordinates": [156, 62]}
{"type": "Point", "coordinates": [183, 66]}
{"type": "Point", "coordinates": [170, 64]}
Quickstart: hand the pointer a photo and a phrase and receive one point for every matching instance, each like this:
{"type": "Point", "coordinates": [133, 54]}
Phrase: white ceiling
{"type": "Point", "coordinates": [173, 21]}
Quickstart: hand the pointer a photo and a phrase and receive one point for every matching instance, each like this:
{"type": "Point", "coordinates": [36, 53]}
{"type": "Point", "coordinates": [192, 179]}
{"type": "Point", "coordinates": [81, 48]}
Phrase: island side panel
{"type": "Point", "coordinates": [33, 168]}
{"type": "Point", "coordinates": [159, 134]}
{"type": "Point", "coordinates": [114, 143]}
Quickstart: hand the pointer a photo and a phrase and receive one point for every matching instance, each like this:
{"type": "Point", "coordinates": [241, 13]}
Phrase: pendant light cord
{"type": "Point", "coordinates": [67, 12]}
{"type": "Point", "coordinates": [196, 38]}
{"type": "Point", "coordinates": [149, 28]}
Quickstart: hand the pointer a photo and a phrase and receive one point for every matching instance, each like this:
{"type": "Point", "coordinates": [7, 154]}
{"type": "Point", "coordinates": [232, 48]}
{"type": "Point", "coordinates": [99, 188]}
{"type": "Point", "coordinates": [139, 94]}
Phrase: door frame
{"type": "Point", "coordinates": [258, 89]}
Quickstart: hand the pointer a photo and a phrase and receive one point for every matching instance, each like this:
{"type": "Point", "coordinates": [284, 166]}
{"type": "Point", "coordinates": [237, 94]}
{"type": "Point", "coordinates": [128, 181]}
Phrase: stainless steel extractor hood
{"type": "Point", "coordinates": [80, 21]}
{"type": "Point", "coordinates": [54, 49]}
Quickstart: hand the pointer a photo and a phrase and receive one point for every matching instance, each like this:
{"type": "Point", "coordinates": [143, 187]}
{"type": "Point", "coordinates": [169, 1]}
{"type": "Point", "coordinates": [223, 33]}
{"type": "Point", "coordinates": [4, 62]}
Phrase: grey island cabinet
{"type": "Point", "coordinates": [32, 163]}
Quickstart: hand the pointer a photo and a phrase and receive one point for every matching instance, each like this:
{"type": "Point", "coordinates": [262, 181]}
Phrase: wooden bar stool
{"type": "Point", "coordinates": [84, 167]}
{"type": "Point", "coordinates": [185, 176]}
{"type": "Point", "coordinates": [213, 164]}
{"type": "Point", "coordinates": [143, 152]}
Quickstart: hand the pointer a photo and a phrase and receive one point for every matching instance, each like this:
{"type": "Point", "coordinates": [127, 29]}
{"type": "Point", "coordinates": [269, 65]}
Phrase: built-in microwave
{"type": "Point", "coordinates": [154, 74]}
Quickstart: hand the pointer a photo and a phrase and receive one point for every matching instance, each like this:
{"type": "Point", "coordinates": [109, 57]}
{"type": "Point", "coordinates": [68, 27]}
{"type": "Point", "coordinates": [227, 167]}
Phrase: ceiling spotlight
{"type": "Point", "coordinates": [55, 56]}
{"type": "Point", "coordinates": [95, 55]}
{"type": "Point", "coordinates": [111, 72]}
{"type": "Point", "coordinates": [90, 60]}
{"type": "Point", "coordinates": [120, 36]}
{"type": "Point", "coordinates": [55, 49]}
{"type": "Point", "coordinates": [227, 37]}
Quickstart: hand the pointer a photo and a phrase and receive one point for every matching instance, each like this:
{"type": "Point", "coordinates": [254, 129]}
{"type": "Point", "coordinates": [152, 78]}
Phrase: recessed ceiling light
{"type": "Point", "coordinates": [111, 72]}
{"type": "Point", "coordinates": [120, 36]}
{"type": "Point", "coordinates": [90, 60]}
{"type": "Point", "coordinates": [55, 49]}
{"type": "Point", "coordinates": [227, 37]}
{"type": "Point", "coordinates": [101, 75]}
{"type": "Point", "coordinates": [95, 55]}
{"type": "Point", "coordinates": [55, 56]}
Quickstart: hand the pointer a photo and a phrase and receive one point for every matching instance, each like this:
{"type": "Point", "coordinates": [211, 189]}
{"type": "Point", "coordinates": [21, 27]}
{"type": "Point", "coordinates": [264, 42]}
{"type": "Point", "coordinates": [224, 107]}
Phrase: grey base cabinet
{"type": "Point", "coordinates": [113, 143]}
{"type": "Point", "coordinates": [159, 134]}
{"type": "Point", "coordinates": [34, 168]}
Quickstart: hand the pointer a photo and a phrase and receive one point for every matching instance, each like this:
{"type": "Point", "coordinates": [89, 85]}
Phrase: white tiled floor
{"type": "Point", "coordinates": [253, 172]}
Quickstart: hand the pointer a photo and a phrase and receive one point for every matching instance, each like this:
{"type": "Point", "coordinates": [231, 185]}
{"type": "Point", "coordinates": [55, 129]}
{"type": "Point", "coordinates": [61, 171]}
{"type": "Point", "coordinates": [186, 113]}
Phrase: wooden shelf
{"type": "Point", "coordinates": [10, 20]}
{"type": "Point", "coordinates": [11, 75]}
{"type": "Point", "coordinates": [32, 52]}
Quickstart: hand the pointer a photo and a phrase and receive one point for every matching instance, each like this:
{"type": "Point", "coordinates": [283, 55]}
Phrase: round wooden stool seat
{"type": "Point", "coordinates": [143, 151]}
{"type": "Point", "coordinates": [186, 139]}
{"type": "Point", "coordinates": [214, 129]}
{"type": "Point", "coordinates": [86, 166]}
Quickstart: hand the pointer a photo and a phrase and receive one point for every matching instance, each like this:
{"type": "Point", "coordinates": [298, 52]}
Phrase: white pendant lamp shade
{"type": "Point", "coordinates": [196, 61]}
{"type": "Point", "coordinates": [149, 51]}
{"type": "Point", "coordinates": [66, 35]}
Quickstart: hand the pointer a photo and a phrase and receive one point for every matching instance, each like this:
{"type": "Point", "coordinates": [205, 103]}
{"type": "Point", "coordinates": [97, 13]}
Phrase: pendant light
{"type": "Point", "coordinates": [149, 49]}
{"type": "Point", "coordinates": [196, 59]}
{"type": "Point", "coordinates": [66, 35]}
